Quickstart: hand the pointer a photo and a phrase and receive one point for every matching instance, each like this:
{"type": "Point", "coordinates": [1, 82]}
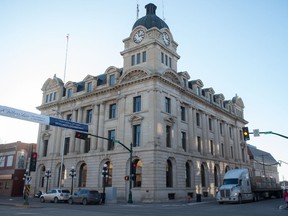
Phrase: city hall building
{"type": "Point", "coordinates": [184, 136]}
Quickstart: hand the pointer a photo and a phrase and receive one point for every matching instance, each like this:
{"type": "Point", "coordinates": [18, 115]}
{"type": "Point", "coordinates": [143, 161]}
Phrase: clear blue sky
{"type": "Point", "coordinates": [234, 46]}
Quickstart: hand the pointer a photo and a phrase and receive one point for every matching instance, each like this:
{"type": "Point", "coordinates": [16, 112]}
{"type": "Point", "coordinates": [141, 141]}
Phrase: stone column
{"type": "Point", "coordinates": [101, 127]}
{"type": "Point", "coordinates": [72, 138]}
{"type": "Point", "coordinates": [94, 126]}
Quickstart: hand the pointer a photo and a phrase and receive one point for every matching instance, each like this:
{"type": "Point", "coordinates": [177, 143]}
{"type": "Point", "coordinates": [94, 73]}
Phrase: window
{"type": "Point", "coordinates": [162, 57]}
{"type": "Point", "coordinates": [137, 171]}
{"type": "Point", "coordinates": [54, 96]}
{"type": "Point", "coordinates": [168, 136]}
{"type": "Point", "coordinates": [136, 135]}
{"type": "Point", "coordinates": [62, 175]}
{"type": "Point", "coordinates": [66, 145]}
{"type": "Point", "coordinates": [138, 56]}
{"type": "Point", "coordinates": [187, 175]}
{"type": "Point", "coordinates": [45, 148]}
{"type": "Point", "coordinates": [167, 105]}
{"type": "Point", "coordinates": [211, 147]}
{"type": "Point", "coordinates": [222, 149]}
{"type": "Point", "coordinates": [132, 60]}
{"type": "Point", "coordinates": [9, 161]}
{"type": "Point", "coordinates": [199, 143]}
{"type": "Point", "coordinates": [198, 119]}
{"type": "Point", "coordinates": [144, 56]}
{"type": "Point", "coordinates": [89, 116]}
{"type": "Point", "coordinates": [183, 113]}
{"type": "Point", "coordinates": [169, 174]}
{"type": "Point", "coordinates": [112, 111]}
{"type": "Point", "coordinates": [137, 104]}
{"type": "Point", "coordinates": [232, 155]}
{"type": "Point", "coordinates": [112, 80]}
{"type": "Point", "coordinates": [69, 117]}
{"type": "Point", "coordinates": [221, 128]}
{"type": "Point", "coordinates": [203, 178]}
{"type": "Point", "coordinates": [216, 177]}
{"type": "Point", "coordinates": [170, 62]}
{"type": "Point", "coordinates": [166, 60]}
{"type": "Point", "coordinates": [230, 133]}
{"type": "Point", "coordinates": [69, 93]}
{"type": "Point", "coordinates": [82, 175]}
{"type": "Point", "coordinates": [89, 87]}
{"type": "Point", "coordinates": [183, 140]}
{"type": "Point", "coordinates": [210, 124]}
{"type": "Point", "coordinates": [87, 145]}
{"type": "Point", "coordinates": [198, 90]}
{"type": "Point", "coordinates": [111, 135]}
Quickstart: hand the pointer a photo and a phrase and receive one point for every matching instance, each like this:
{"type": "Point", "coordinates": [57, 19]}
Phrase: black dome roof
{"type": "Point", "coordinates": [151, 19]}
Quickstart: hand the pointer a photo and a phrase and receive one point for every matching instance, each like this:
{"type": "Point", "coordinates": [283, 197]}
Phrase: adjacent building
{"type": "Point", "coordinates": [184, 135]}
{"type": "Point", "coordinates": [14, 161]}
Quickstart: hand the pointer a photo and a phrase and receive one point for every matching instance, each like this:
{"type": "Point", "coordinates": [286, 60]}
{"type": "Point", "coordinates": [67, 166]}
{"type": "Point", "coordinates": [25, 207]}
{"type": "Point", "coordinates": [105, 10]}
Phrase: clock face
{"type": "Point", "coordinates": [139, 36]}
{"type": "Point", "coordinates": [166, 38]}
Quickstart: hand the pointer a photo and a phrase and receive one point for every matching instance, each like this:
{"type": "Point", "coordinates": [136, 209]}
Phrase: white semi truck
{"type": "Point", "coordinates": [239, 186]}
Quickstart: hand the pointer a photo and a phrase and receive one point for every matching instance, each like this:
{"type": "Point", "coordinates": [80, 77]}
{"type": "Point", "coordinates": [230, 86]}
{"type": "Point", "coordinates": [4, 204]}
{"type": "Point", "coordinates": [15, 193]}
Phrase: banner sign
{"type": "Point", "coordinates": [41, 119]}
{"type": "Point", "coordinates": [24, 115]}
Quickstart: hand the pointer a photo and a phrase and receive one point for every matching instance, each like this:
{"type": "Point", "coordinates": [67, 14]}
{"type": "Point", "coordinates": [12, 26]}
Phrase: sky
{"type": "Point", "coordinates": [234, 46]}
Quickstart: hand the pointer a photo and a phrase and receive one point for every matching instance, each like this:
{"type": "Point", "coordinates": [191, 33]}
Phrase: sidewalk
{"type": "Point", "coordinates": [35, 202]}
{"type": "Point", "coordinates": [20, 202]}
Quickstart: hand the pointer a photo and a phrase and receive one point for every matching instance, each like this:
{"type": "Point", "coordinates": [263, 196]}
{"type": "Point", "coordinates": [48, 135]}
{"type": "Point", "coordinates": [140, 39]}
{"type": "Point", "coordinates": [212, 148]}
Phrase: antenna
{"type": "Point", "coordinates": [163, 10]}
{"type": "Point", "coordinates": [67, 37]}
{"type": "Point", "coordinates": [137, 11]}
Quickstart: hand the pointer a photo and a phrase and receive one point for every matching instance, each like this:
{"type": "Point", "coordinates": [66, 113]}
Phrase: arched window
{"type": "Point", "coordinates": [109, 177]}
{"type": "Point", "coordinates": [169, 174]}
{"type": "Point", "coordinates": [203, 178]}
{"type": "Point", "coordinates": [61, 183]}
{"type": "Point", "coordinates": [137, 171]}
{"type": "Point", "coordinates": [82, 175]}
{"type": "Point", "coordinates": [216, 177]}
{"type": "Point", "coordinates": [187, 175]}
{"type": "Point", "coordinates": [42, 176]}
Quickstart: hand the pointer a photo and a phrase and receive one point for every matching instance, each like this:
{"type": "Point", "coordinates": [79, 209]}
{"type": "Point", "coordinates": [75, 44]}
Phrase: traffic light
{"type": "Point", "coordinates": [33, 161]}
{"type": "Point", "coordinates": [246, 133]}
{"type": "Point", "coordinates": [80, 135]}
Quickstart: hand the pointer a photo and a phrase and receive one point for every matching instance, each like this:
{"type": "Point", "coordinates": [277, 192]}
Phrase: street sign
{"type": "Point", "coordinates": [68, 124]}
{"type": "Point", "coordinates": [28, 180]}
{"type": "Point", "coordinates": [41, 119]}
{"type": "Point", "coordinates": [256, 132]}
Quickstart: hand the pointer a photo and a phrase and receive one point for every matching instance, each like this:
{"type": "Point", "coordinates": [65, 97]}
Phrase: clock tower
{"type": "Point", "coordinates": [150, 46]}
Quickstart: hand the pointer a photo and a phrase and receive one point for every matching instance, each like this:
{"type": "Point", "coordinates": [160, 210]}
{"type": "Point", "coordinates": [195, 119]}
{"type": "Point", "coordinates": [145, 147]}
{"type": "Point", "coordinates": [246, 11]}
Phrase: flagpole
{"type": "Point", "coordinates": [67, 37]}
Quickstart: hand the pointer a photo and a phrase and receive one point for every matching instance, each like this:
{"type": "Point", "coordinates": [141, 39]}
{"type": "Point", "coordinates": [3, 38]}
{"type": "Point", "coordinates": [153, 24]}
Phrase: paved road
{"type": "Point", "coordinates": [262, 208]}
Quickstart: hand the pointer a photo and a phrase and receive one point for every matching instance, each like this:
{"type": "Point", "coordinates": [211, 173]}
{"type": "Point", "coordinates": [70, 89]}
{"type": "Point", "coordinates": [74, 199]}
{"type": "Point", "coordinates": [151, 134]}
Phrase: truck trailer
{"type": "Point", "coordinates": [239, 186]}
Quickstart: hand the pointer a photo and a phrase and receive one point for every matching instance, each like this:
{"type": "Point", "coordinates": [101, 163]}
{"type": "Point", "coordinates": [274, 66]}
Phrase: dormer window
{"type": "Point", "coordinates": [89, 87]}
{"type": "Point", "coordinates": [112, 80]}
{"type": "Point", "coordinates": [69, 94]}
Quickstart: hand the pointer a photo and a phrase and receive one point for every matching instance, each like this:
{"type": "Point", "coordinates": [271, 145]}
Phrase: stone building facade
{"type": "Point", "coordinates": [184, 136]}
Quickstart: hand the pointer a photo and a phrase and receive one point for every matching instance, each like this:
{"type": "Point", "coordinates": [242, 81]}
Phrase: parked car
{"type": "Point", "coordinates": [55, 195]}
{"type": "Point", "coordinates": [38, 194]}
{"type": "Point", "coordinates": [85, 197]}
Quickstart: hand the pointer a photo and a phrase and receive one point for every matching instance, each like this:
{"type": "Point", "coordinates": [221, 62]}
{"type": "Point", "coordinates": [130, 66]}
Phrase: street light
{"type": "Point", "coordinates": [104, 175]}
{"type": "Point", "coordinates": [47, 176]}
{"type": "Point", "coordinates": [72, 174]}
